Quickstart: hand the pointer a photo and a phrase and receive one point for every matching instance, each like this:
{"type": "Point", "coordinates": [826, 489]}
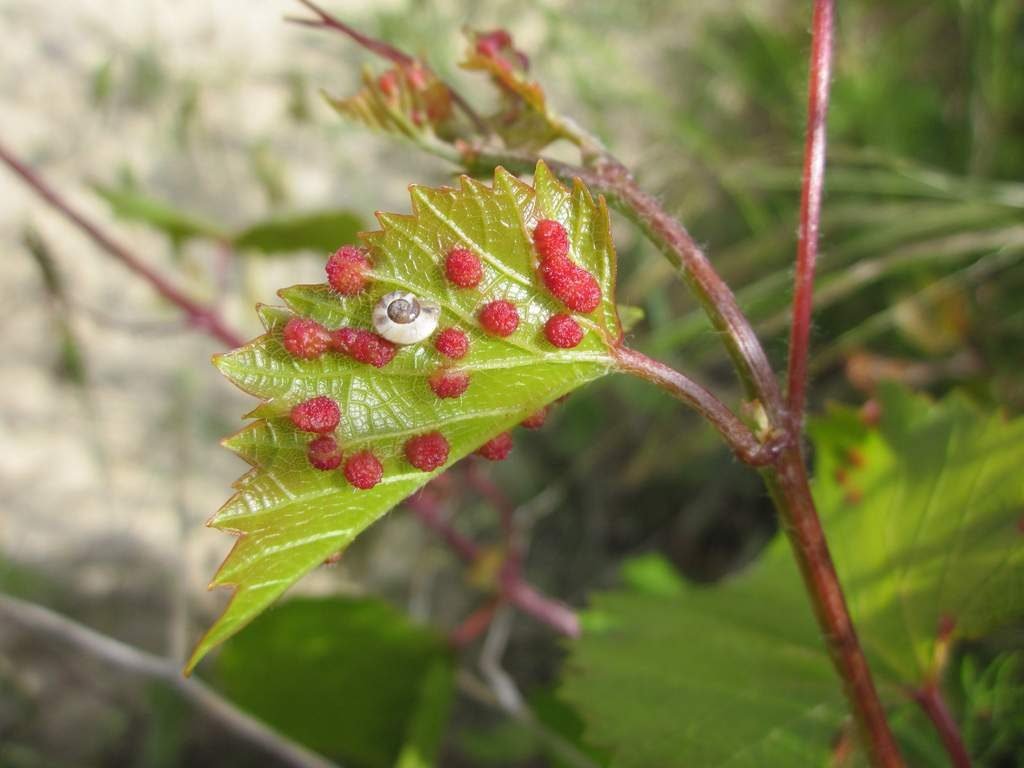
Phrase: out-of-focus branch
{"type": "Point", "coordinates": [547, 610]}
{"type": "Point", "coordinates": [930, 699]}
{"type": "Point", "coordinates": [385, 50]}
{"type": "Point", "coordinates": [199, 315]}
{"type": "Point", "coordinates": [46, 622]}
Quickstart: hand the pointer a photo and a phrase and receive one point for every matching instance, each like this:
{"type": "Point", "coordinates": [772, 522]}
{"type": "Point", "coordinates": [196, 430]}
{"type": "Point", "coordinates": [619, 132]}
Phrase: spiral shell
{"type": "Point", "coordinates": [404, 318]}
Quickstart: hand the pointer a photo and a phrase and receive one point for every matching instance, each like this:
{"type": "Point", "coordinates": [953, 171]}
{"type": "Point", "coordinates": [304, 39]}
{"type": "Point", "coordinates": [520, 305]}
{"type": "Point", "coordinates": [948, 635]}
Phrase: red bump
{"type": "Point", "coordinates": [571, 284]}
{"type": "Point", "coordinates": [364, 346]}
{"type": "Point", "coordinates": [343, 338]}
{"type": "Point", "coordinates": [463, 268]}
{"type": "Point", "coordinates": [323, 453]}
{"type": "Point", "coordinates": [500, 317]}
{"type": "Point", "coordinates": [305, 338]}
{"type": "Point", "coordinates": [536, 420]}
{"type": "Point", "coordinates": [363, 470]}
{"type": "Point", "coordinates": [491, 44]}
{"type": "Point", "coordinates": [448, 383]}
{"type": "Point", "coordinates": [563, 331]}
{"type": "Point", "coordinates": [388, 84]}
{"type": "Point", "coordinates": [453, 343]}
{"type": "Point", "coordinates": [320, 414]}
{"type": "Point", "coordinates": [550, 240]}
{"type": "Point", "coordinates": [346, 270]}
{"type": "Point", "coordinates": [427, 452]}
{"type": "Point", "coordinates": [497, 448]}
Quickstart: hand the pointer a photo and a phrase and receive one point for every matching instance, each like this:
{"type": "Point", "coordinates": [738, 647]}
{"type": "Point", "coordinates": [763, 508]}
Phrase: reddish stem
{"type": "Point", "coordinates": [788, 485]}
{"type": "Point", "coordinates": [736, 434]}
{"type": "Point", "coordinates": [327, 21]}
{"type": "Point", "coordinates": [429, 513]}
{"type": "Point", "coordinates": [810, 206]}
{"type": "Point", "coordinates": [552, 612]}
{"type": "Point", "coordinates": [934, 705]}
{"type": "Point", "coordinates": [474, 625]}
{"type": "Point", "coordinates": [199, 315]}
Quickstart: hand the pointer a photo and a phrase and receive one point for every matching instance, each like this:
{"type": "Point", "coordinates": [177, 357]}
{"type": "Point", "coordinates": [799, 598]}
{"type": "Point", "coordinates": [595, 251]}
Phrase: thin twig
{"type": "Point", "coordinates": [810, 206]}
{"type": "Point", "coordinates": [554, 613]}
{"type": "Point", "coordinates": [200, 316]}
{"type": "Point", "coordinates": [932, 703]}
{"type": "Point", "coordinates": [736, 434]}
{"type": "Point", "coordinates": [385, 50]}
{"type": "Point", "coordinates": [47, 622]}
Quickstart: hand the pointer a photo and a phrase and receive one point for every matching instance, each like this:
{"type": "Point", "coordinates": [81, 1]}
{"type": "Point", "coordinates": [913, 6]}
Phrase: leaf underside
{"type": "Point", "coordinates": [923, 516]}
{"type": "Point", "coordinates": [289, 517]}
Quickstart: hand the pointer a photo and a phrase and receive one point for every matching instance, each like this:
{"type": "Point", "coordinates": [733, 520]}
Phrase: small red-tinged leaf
{"type": "Point", "coordinates": [408, 100]}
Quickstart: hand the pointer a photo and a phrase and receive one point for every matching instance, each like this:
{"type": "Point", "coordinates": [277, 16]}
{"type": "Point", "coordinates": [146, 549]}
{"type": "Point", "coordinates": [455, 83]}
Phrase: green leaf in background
{"type": "Point", "coordinates": [322, 231]}
{"type": "Point", "coordinates": [923, 515]}
{"type": "Point", "coordinates": [179, 226]}
{"type": "Point", "coordinates": [289, 516]}
{"type": "Point", "coordinates": [350, 678]}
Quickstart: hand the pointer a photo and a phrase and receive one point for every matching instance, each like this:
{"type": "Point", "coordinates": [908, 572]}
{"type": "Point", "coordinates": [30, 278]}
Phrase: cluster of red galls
{"type": "Point", "coordinates": [348, 272]}
{"type": "Point", "coordinates": [427, 452]}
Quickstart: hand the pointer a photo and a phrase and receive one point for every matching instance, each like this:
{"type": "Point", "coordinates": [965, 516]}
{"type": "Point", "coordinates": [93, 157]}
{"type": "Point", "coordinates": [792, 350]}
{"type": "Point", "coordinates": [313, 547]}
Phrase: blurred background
{"type": "Point", "coordinates": [194, 132]}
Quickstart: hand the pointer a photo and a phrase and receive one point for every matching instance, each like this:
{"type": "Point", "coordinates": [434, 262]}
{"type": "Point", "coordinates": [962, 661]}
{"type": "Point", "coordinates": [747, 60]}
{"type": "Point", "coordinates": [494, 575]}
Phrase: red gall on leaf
{"type": "Point", "coordinates": [305, 338]}
{"type": "Point", "coordinates": [563, 331]}
{"type": "Point", "coordinates": [346, 270]}
{"type": "Point", "coordinates": [571, 284]}
{"type": "Point", "coordinates": [536, 420]}
{"type": "Point", "coordinates": [320, 415]}
{"type": "Point", "coordinates": [427, 452]}
{"type": "Point", "coordinates": [324, 453]}
{"type": "Point", "coordinates": [550, 239]}
{"type": "Point", "coordinates": [463, 268]}
{"type": "Point", "coordinates": [364, 346]}
{"type": "Point", "coordinates": [363, 470]}
{"type": "Point", "coordinates": [500, 318]}
{"type": "Point", "coordinates": [497, 448]}
{"type": "Point", "coordinates": [448, 383]}
{"type": "Point", "coordinates": [453, 343]}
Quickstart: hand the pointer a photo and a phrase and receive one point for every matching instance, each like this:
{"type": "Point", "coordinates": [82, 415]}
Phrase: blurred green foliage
{"type": "Point", "coordinates": [922, 513]}
{"type": "Point", "coordinates": [351, 678]}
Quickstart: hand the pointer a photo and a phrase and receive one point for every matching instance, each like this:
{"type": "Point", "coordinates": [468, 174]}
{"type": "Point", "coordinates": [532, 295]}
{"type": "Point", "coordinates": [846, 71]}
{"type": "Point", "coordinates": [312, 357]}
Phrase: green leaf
{"type": "Point", "coordinates": [350, 678]}
{"type": "Point", "coordinates": [923, 516]}
{"type": "Point", "coordinates": [178, 225]}
{"type": "Point", "coordinates": [289, 516]}
{"type": "Point", "coordinates": [322, 231]}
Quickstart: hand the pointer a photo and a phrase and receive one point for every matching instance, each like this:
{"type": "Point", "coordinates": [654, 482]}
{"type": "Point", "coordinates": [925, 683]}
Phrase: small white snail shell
{"type": "Point", "coordinates": [404, 318]}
